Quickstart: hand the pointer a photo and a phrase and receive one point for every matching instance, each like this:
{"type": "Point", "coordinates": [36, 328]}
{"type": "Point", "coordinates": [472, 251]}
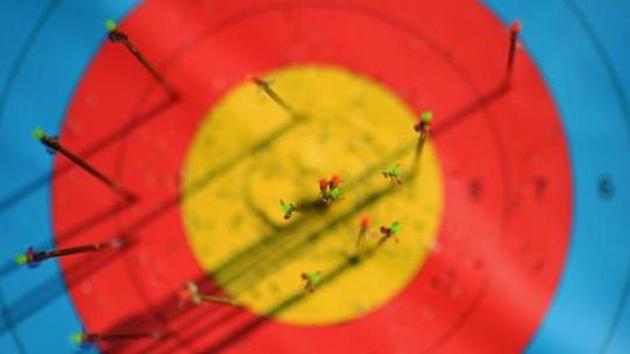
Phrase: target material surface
{"type": "Point", "coordinates": [485, 253]}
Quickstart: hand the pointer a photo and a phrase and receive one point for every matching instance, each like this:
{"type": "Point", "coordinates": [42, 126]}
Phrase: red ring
{"type": "Point", "coordinates": [495, 246]}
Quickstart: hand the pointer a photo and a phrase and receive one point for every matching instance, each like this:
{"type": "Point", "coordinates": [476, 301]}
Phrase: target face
{"type": "Point", "coordinates": [513, 227]}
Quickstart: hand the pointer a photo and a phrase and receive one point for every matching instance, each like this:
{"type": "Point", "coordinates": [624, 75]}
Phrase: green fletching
{"type": "Point", "coordinates": [286, 207]}
{"type": "Point", "coordinates": [313, 278]}
{"type": "Point", "coordinates": [336, 193]}
{"type": "Point", "coordinates": [76, 338]}
{"type": "Point", "coordinates": [427, 116]}
{"type": "Point", "coordinates": [111, 25]}
{"type": "Point", "coordinates": [38, 134]}
{"type": "Point", "coordinates": [395, 228]}
{"type": "Point", "coordinates": [21, 259]}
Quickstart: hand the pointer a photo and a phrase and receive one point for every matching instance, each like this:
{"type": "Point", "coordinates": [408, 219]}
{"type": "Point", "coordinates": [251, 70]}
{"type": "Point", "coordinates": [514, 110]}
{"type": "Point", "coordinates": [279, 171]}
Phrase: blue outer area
{"type": "Point", "coordinates": [582, 51]}
{"type": "Point", "coordinates": [44, 49]}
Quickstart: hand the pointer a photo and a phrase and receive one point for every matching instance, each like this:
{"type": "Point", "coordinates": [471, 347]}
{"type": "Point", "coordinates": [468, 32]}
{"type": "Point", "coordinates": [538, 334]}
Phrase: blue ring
{"type": "Point", "coordinates": [590, 312]}
{"type": "Point", "coordinates": [39, 71]}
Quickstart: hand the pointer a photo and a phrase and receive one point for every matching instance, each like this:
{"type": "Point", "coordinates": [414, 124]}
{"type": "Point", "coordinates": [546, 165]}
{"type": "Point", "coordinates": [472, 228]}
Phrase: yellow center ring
{"type": "Point", "coordinates": [351, 126]}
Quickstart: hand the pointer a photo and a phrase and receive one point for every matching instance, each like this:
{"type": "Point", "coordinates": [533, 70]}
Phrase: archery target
{"type": "Point", "coordinates": [497, 242]}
